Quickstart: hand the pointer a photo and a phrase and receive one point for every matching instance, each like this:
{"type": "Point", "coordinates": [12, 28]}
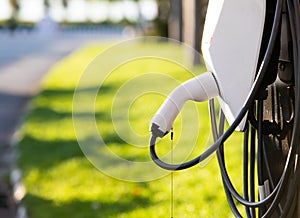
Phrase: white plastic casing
{"type": "Point", "coordinates": [230, 46]}
{"type": "Point", "coordinates": [200, 88]}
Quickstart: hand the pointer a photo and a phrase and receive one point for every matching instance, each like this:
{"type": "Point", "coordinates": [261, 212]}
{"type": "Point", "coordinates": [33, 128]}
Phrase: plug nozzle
{"type": "Point", "coordinates": [200, 88]}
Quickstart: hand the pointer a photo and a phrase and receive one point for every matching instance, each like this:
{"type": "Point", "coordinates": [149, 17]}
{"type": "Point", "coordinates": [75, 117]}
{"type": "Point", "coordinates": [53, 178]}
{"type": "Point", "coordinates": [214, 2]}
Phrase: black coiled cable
{"type": "Point", "coordinates": [290, 176]}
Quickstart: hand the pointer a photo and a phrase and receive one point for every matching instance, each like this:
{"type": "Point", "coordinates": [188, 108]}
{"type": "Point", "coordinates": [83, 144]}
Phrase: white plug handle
{"type": "Point", "coordinates": [200, 88]}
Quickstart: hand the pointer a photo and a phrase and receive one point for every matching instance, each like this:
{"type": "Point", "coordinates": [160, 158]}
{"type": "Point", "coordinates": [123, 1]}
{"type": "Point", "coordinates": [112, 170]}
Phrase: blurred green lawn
{"type": "Point", "coordinates": [61, 182]}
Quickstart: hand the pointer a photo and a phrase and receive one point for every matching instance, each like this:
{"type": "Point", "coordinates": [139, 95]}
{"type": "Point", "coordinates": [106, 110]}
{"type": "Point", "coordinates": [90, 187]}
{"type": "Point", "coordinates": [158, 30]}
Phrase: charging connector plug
{"type": "Point", "coordinates": [200, 88]}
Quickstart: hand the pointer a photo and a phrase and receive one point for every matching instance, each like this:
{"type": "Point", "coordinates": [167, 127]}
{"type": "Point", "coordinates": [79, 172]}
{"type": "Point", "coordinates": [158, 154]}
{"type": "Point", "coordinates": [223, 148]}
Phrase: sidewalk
{"type": "Point", "coordinates": [23, 63]}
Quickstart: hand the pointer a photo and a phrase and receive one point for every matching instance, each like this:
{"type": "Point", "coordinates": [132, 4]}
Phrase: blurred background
{"type": "Point", "coordinates": [177, 19]}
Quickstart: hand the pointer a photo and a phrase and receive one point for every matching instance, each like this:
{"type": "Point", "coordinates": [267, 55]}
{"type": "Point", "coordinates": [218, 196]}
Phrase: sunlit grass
{"type": "Point", "coordinates": [61, 182]}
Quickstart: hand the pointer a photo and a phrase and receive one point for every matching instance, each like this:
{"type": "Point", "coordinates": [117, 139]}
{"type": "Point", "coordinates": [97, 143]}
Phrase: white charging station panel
{"type": "Point", "coordinates": [231, 43]}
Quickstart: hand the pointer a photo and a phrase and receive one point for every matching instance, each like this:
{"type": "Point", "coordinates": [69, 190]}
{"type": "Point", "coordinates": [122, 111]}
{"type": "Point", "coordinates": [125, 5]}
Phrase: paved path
{"type": "Point", "coordinates": [24, 60]}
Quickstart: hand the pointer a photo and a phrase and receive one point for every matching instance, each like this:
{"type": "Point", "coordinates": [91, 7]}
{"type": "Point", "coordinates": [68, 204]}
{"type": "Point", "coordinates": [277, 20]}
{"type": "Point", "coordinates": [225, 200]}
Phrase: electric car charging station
{"type": "Point", "coordinates": [251, 52]}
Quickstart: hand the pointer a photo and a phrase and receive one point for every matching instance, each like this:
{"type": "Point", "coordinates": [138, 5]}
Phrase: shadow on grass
{"type": "Point", "coordinates": [45, 114]}
{"type": "Point", "coordinates": [46, 154]}
{"type": "Point", "coordinates": [92, 89]}
{"type": "Point", "coordinates": [65, 96]}
{"type": "Point", "coordinates": [83, 208]}
{"type": "Point", "coordinates": [113, 138]}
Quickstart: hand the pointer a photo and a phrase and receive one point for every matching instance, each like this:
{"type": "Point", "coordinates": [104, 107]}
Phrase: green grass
{"type": "Point", "coordinates": [60, 180]}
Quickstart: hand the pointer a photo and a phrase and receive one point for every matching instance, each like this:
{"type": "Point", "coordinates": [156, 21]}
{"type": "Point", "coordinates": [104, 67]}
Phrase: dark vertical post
{"type": "Point", "coordinates": [199, 24]}
{"type": "Point", "coordinates": [175, 20]}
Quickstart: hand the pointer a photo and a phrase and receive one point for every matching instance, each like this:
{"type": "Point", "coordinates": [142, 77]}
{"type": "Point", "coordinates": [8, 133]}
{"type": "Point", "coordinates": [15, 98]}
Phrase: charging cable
{"type": "Point", "coordinates": [163, 121]}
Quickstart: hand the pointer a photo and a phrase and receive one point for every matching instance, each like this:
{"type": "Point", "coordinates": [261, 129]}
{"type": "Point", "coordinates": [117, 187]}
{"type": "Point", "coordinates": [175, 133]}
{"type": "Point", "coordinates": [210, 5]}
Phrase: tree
{"type": "Point", "coordinates": [65, 3]}
{"type": "Point", "coordinates": [161, 22]}
{"type": "Point", "coordinates": [12, 22]}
